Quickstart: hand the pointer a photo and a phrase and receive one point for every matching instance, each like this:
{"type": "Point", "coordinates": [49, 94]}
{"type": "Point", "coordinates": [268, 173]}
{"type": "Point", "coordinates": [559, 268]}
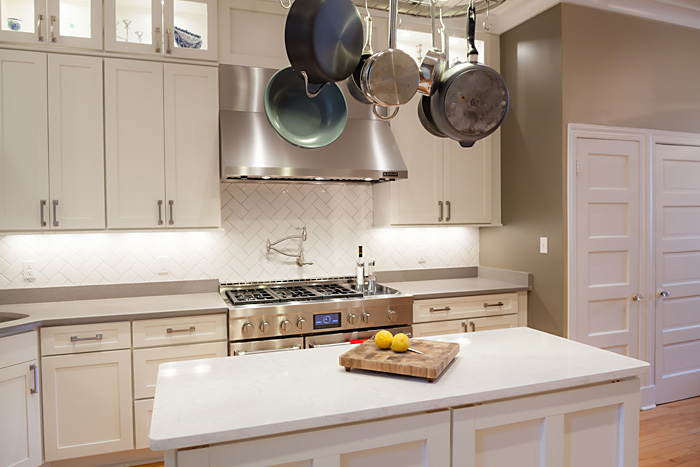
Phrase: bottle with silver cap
{"type": "Point", "coordinates": [360, 271]}
{"type": "Point", "coordinates": [371, 277]}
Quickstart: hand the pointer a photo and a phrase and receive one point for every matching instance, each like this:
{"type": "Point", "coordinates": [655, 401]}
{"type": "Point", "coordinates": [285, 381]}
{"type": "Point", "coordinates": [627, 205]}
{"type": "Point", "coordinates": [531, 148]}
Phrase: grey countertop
{"type": "Point", "coordinates": [62, 311]}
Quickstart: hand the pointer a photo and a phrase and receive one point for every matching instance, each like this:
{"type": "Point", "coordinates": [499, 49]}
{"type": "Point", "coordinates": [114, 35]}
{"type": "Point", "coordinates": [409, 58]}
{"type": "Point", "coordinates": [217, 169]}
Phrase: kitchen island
{"type": "Point", "coordinates": [511, 397]}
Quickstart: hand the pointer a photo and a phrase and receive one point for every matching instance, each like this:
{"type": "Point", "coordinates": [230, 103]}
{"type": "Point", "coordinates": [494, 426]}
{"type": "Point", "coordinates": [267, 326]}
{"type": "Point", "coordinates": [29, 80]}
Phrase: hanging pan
{"type": "Point", "coordinates": [353, 82]}
{"type": "Point", "coordinates": [304, 122]}
{"type": "Point", "coordinates": [424, 114]}
{"type": "Point", "coordinates": [433, 62]}
{"type": "Point", "coordinates": [471, 100]}
{"type": "Point", "coordinates": [390, 78]}
{"type": "Point", "coordinates": [323, 39]}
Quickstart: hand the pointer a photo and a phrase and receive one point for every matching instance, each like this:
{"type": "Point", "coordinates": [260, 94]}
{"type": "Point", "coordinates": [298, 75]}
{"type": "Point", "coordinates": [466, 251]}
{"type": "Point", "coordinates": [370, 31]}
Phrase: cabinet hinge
{"type": "Point", "coordinates": [578, 166]}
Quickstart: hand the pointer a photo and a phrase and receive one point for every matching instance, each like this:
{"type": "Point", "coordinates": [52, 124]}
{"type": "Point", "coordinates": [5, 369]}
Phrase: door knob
{"type": "Point", "coordinates": [637, 297]}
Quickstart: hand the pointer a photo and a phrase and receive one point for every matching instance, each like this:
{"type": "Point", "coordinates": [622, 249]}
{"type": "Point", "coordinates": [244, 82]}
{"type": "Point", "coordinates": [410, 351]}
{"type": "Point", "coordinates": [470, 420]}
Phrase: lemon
{"type": "Point", "coordinates": [383, 339]}
{"type": "Point", "coordinates": [400, 342]}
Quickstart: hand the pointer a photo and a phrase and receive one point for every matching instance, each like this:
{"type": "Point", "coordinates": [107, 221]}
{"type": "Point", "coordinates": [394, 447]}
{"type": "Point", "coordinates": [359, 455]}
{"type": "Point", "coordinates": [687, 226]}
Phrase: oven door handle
{"type": "Point", "coordinates": [251, 352]}
{"type": "Point", "coordinates": [318, 346]}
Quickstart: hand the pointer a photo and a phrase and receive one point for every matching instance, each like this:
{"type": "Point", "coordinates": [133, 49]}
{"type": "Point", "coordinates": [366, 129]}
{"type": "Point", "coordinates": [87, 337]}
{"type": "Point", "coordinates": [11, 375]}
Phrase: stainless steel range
{"type": "Point", "coordinates": [289, 315]}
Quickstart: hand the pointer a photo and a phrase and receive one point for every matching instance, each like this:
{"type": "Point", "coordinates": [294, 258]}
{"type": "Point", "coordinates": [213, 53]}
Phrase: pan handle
{"type": "Point", "coordinates": [471, 32]}
{"type": "Point", "coordinates": [310, 94]}
{"type": "Point", "coordinates": [384, 119]}
{"type": "Point", "coordinates": [287, 6]}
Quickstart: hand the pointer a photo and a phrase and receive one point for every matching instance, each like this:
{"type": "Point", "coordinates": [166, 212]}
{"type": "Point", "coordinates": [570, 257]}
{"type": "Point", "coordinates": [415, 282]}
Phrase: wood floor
{"type": "Point", "coordinates": [669, 435]}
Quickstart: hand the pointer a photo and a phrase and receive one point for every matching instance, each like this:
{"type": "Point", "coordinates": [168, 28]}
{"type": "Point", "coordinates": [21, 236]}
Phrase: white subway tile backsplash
{"type": "Point", "coordinates": [338, 218]}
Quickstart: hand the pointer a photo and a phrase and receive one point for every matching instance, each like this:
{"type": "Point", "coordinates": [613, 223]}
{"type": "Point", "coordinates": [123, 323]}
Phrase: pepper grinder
{"type": "Point", "coordinates": [371, 278]}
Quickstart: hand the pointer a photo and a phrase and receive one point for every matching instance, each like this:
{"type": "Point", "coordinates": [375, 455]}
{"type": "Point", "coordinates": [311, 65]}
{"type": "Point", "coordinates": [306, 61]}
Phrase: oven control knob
{"type": "Point", "coordinates": [352, 318]}
{"type": "Point", "coordinates": [285, 325]}
{"type": "Point", "coordinates": [391, 314]}
{"type": "Point", "coordinates": [301, 322]}
{"type": "Point", "coordinates": [247, 329]}
{"type": "Point", "coordinates": [365, 317]}
{"type": "Point", "coordinates": [264, 326]}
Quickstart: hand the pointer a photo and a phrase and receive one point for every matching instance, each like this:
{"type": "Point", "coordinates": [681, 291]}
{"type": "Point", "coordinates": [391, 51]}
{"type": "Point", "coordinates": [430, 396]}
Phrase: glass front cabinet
{"type": "Point", "coordinates": [67, 23]}
{"type": "Point", "coordinates": [176, 28]}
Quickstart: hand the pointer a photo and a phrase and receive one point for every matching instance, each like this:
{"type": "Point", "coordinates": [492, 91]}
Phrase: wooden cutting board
{"type": "Point", "coordinates": [437, 355]}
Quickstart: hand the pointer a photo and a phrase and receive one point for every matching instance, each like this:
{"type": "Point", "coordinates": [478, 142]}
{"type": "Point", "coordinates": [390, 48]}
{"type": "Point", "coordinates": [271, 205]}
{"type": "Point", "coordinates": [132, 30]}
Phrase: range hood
{"type": "Point", "coordinates": [252, 150]}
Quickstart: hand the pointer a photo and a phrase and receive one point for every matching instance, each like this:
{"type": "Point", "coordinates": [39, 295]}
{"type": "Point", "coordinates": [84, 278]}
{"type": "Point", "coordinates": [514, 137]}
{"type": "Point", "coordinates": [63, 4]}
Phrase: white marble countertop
{"type": "Point", "coordinates": [446, 288]}
{"type": "Point", "coordinates": [227, 399]}
{"type": "Point", "coordinates": [111, 309]}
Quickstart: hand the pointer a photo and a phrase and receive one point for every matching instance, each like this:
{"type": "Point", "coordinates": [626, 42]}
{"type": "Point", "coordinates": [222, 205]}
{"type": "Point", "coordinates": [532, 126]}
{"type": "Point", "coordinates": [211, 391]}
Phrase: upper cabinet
{"type": "Point", "coordinates": [67, 23]}
{"type": "Point", "coordinates": [171, 28]}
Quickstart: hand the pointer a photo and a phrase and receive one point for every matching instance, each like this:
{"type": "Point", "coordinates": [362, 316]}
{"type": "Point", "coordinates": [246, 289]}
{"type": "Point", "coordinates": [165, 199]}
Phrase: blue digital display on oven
{"type": "Point", "coordinates": [327, 320]}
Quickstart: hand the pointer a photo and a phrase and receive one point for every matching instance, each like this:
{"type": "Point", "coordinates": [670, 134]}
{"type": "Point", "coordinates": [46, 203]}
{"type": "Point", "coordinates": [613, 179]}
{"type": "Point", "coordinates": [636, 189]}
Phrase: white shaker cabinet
{"type": "Point", "coordinates": [161, 153]}
{"type": "Point", "coordinates": [87, 404]}
{"type": "Point", "coordinates": [76, 142]}
{"type": "Point", "coordinates": [24, 162]}
{"type": "Point", "coordinates": [20, 423]}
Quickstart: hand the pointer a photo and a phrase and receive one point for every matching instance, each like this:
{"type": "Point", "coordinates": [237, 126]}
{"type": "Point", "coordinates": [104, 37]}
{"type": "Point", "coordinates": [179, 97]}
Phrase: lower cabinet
{"type": "Point", "coordinates": [464, 325]}
{"type": "Point", "coordinates": [20, 423]}
{"type": "Point", "coordinates": [87, 404]}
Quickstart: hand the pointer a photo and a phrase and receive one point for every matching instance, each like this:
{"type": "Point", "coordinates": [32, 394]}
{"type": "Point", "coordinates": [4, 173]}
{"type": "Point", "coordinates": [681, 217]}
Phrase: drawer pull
{"type": "Point", "coordinates": [171, 330]}
{"type": "Point", "coordinates": [98, 337]}
{"type": "Point", "coordinates": [35, 380]}
{"type": "Point", "coordinates": [433, 310]}
{"type": "Point", "coordinates": [487, 305]}
{"type": "Point", "coordinates": [473, 325]}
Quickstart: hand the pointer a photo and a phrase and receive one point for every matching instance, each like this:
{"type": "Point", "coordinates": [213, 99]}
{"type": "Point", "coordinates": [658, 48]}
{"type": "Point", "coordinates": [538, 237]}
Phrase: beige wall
{"type": "Point", "coordinates": [626, 71]}
{"type": "Point", "coordinates": [531, 168]}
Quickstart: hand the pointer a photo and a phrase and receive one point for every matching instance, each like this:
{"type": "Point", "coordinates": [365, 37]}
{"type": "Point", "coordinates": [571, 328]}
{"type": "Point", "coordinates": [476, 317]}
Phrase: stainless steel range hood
{"type": "Point", "coordinates": [252, 150]}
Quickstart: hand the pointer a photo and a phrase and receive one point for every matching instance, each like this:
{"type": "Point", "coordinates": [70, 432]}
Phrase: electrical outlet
{"type": "Point", "coordinates": [543, 245]}
{"type": "Point", "coordinates": [163, 265]}
{"type": "Point", "coordinates": [29, 270]}
{"type": "Point", "coordinates": [422, 254]}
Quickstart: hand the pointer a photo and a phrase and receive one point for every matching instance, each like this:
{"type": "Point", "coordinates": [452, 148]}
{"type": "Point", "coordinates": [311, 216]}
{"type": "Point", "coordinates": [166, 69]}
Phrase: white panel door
{"type": "Point", "coordinates": [76, 148]}
{"type": "Point", "coordinates": [20, 423]}
{"type": "Point", "coordinates": [609, 229]}
{"type": "Point", "coordinates": [87, 404]}
{"type": "Point", "coordinates": [677, 271]}
{"type": "Point", "coordinates": [467, 179]}
{"type": "Point", "coordinates": [192, 146]}
{"type": "Point", "coordinates": [191, 29]}
{"type": "Point", "coordinates": [134, 26]}
{"type": "Point", "coordinates": [24, 160]}
{"type": "Point", "coordinates": [135, 161]}
{"type": "Point", "coordinates": [23, 21]}
{"type": "Point", "coordinates": [415, 200]}
{"type": "Point", "coordinates": [75, 23]}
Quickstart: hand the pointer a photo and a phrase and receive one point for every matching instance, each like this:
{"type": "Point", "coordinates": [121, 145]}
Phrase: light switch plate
{"type": "Point", "coordinates": [422, 254]}
{"type": "Point", "coordinates": [29, 271]}
{"type": "Point", "coordinates": [543, 245]}
{"type": "Point", "coordinates": [163, 265]}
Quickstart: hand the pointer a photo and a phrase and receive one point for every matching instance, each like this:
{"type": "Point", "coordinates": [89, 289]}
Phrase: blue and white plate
{"type": "Point", "coordinates": [186, 39]}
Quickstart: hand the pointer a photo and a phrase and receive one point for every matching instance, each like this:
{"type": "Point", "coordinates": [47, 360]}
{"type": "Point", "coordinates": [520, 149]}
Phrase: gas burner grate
{"type": "Point", "coordinates": [295, 293]}
{"type": "Point", "coordinates": [335, 291]}
{"type": "Point", "coordinates": [251, 296]}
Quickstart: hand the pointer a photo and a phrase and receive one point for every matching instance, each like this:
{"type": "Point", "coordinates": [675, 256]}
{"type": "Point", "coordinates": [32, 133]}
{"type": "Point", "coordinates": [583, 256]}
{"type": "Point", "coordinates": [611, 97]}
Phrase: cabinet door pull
{"type": "Point", "coordinates": [449, 211]}
{"type": "Point", "coordinates": [157, 39]}
{"type": "Point", "coordinates": [487, 305]}
{"type": "Point", "coordinates": [171, 221]}
{"type": "Point", "coordinates": [42, 205]}
{"type": "Point", "coordinates": [473, 325]}
{"type": "Point", "coordinates": [55, 215]}
{"type": "Point", "coordinates": [171, 330]}
{"type": "Point", "coordinates": [53, 35]}
{"type": "Point", "coordinates": [464, 325]}
{"type": "Point", "coordinates": [440, 217]}
{"type": "Point", "coordinates": [39, 23]}
{"type": "Point", "coordinates": [160, 212]}
{"type": "Point", "coordinates": [433, 310]}
{"type": "Point", "coordinates": [35, 380]}
{"type": "Point", "coordinates": [97, 337]}
{"type": "Point", "coordinates": [168, 49]}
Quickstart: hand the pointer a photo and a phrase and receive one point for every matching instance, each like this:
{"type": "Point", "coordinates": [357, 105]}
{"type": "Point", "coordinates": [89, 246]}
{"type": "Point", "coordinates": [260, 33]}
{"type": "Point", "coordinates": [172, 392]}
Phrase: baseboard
{"type": "Point", "coordinates": [648, 397]}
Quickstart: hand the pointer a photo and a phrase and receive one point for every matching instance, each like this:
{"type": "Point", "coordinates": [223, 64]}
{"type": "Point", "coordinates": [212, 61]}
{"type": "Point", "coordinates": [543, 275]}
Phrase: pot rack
{"type": "Point", "coordinates": [421, 8]}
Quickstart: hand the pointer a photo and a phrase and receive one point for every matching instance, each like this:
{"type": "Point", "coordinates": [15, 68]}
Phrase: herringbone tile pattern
{"type": "Point", "coordinates": [338, 218]}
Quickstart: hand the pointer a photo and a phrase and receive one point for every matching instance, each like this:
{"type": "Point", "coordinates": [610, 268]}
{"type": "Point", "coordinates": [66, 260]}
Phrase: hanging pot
{"type": "Point", "coordinates": [353, 82]}
{"type": "Point", "coordinates": [433, 62]}
{"type": "Point", "coordinates": [390, 78]}
{"type": "Point", "coordinates": [323, 39]}
{"type": "Point", "coordinates": [304, 122]}
{"type": "Point", "coordinates": [425, 115]}
{"type": "Point", "coordinates": [471, 100]}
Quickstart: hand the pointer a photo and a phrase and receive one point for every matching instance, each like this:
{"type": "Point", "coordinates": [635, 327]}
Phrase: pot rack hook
{"type": "Point", "coordinates": [366, 9]}
{"type": "Point", "coordinates": [287, 6]}
{"type": "Point", "coordinates": [442, 31]}
{"type": "Point", "coordinates": [310, 94]}
{"type": "Point", "coordinates": [388, 117]}
{"type": "Point", "coordinates": [486, 24]}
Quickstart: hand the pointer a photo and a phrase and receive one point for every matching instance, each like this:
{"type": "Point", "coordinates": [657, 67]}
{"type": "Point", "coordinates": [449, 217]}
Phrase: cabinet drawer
{"type": "Point", "coordinates": [492, 322]}
{"type": "Point", "coordinates": [85, 338]}
{"type": "Point", "coordinates": [147, 361]}
{"type": "Point", "coordinates": [439, 328]}
{"type": "Point", "coordinates": [18, 349]}
{"type": "Point", "coordinates": [464, 307]}
{"type": "Point", "coordinates": [185, 330]}
{"type": "Point", "coordinates": [143, 413]}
